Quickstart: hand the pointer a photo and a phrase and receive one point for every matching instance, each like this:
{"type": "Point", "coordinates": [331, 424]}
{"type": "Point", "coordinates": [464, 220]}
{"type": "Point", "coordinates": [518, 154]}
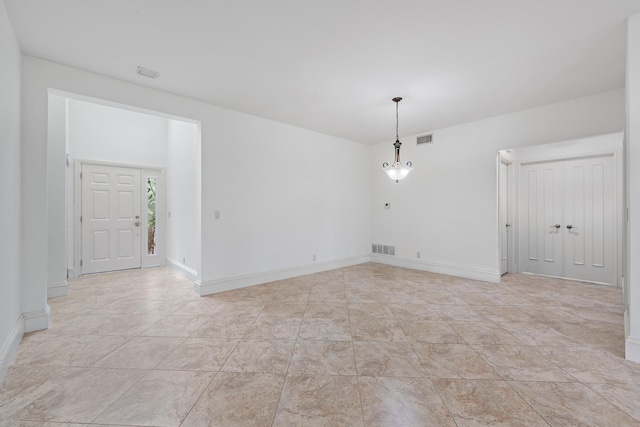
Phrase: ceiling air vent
{"type": "Point", "coordinates": [425, 139]}
{"type": "Point", "coordinates": [148, 73]}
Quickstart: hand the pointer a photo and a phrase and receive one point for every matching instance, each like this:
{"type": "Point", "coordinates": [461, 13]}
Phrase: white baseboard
{"type": "Point", "coordinates": [229, 283]}
{"type": "Point", "coordinates": [182, 269]}
{"type": "Point", "coordinates": [632, 349]}
{"type": "Point", "coordinates": [37, 320]}
{"type": "Point", "coordinates": [10, 346]}
{"type": "Point", "coordinates": [57, 290]}
{"type": "Point", "coordinates": [451, 270]}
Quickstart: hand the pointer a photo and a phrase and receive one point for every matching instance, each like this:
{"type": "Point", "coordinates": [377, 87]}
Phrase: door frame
{"type": "Point", "coordinates": [511, 218]}
{"type": "Point", "coordinates": [146, 171]}
{"type": "Point", "coordinates": [618, 211]}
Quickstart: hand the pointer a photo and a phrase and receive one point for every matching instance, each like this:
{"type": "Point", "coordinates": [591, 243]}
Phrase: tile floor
{"type": "Point", "coordinates": [365, 345]}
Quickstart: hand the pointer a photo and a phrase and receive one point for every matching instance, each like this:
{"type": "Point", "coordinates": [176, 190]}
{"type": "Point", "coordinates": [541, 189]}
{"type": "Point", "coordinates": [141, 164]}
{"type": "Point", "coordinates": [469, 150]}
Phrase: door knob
{"type": "Point", "coordinates": [137, 223]}
{"type": "Point", "coordinates": [557, 226]}
{"type": "Point", "coordinates": [569, 227]}
{"type": "Point", "coordinates": [508, 225]}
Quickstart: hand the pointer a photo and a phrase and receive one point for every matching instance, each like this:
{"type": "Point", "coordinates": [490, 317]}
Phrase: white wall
{"type": "Point", "coordinates": [284, 193]}
{"type": "Point", "coordinates": [100, 132]}
{"type": "Point", "coordinates": [11, 327]}
{"type": "Point", "coordinates": [447, 208]}
{"type": "Point", "coordinates": [181, 181]}
{"type": "Point", "coordinates": [108, 134]}
{"type": "Point", "coordinates": [632, 148]}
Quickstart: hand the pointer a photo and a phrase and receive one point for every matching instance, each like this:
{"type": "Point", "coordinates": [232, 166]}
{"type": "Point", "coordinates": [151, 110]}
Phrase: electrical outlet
{"type": "Point", "coordinates": [314, 257]}
{"type": "Point", "coordinates": [216, 214]}
{"type": "Point", "coordinates": [184, 259]}
{"type": "Point", "coordinates": [417, 254]}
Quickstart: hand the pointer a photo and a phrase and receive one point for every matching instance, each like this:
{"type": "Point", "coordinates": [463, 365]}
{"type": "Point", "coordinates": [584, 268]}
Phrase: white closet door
{"type": "Point", "coordinates": [541, 188]}
{"type": "Point", "coordinates": [589, 219]}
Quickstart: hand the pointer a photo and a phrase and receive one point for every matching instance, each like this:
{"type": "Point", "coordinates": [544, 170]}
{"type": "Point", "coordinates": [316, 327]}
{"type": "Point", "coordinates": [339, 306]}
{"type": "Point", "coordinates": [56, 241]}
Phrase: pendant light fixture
{"type": "Point", "coordinates": [397, 171]}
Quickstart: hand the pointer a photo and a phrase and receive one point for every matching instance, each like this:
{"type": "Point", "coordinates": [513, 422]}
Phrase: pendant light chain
{"type": "Point", "coordinates": [397, 138]}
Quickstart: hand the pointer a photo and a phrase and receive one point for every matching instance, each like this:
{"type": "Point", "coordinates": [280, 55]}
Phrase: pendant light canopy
{"type": "Point", "coordinates": [397, 171]}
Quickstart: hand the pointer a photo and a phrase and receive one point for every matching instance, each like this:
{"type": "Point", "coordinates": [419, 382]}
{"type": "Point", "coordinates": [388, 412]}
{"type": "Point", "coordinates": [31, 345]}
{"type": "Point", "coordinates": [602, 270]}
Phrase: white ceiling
{"type": "Point", "coordinates": [333, 65]}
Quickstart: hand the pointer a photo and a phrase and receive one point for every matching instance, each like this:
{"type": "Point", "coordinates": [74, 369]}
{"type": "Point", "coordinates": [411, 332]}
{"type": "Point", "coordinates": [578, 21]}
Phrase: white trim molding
{"type": "Point", "coordinates": [237, 282]}
{"type": "Point", "coordinates": [182, 269]}
{"type": "Point", "coordinates": [10, 346]}
{"type": "Point", "coordinates": [57, 290]}
{"type": "Point", "coordinates": [632, 349]}
{"type": "Point", "coordinates": [37, 320]}
{"type": "Point", "coordinates": [434, 267]}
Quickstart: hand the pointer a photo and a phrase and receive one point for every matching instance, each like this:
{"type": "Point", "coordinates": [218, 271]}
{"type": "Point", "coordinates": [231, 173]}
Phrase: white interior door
{"type": "Point", "coordinates": [541, 239]}
{"type": "Point", "coordinates": [567, 219]}
{"type": "Point", "coordinates": [504, 217]}
{"type": "Point", "coordinates": [589, 219]}
{"type": "Point", "coordinates": [110, 218]}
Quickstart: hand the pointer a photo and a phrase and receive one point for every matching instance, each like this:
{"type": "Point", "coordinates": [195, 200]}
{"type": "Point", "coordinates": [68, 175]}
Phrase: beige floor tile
{"type": "Point", "coordinates": [319, 400]}
{"type": "Point", "coordinates": [237, 399]}
{"type": "Point", "coordinates": [82, 397]}
{"type": "Point", "coordinates": [521, 363]}
{"type": "Point", "coordinates": [370, 310]}
{"type": "Point", "coordinates": [593, 334]}
{"type": "Point", "coordinates": [327, 310]}
{"type": "Point", "coordinates": [24, 384]}
{"type": "Point", "coordinates": [387, 359]}
{"type": "Point", "coordinates": [592, 365]}
{"type": "Point", "coordinates": [128, 324]}
{"type": "Point", "coordinates": [459, 313]}
{"type": "Point", "coordinates": [502, 313]}
{"type": "Point", "coordinates": [410, 312]}
{"type": "Point", "coordinates": [161, 398]}
{"type": "Point", "coordinates": [199, 354]}
{"type": "Point", "coordinates": [571, 404]}
{"type": "Point", "coordinates": [140, 353]}
{"type": "Point", "coordinates": [323, 357]}
{"type": "Point", "coordinates": [175, 326]}
{"type": "Point", "coordinates": [77, 323]}
{"type": "Point", "coordinates": [570, 327]}
{"type": "Point", "coordinates": [376, 329]}
{"type": "Point", "coordinates": [225, 327]}
{"type": "Point", "coordinates": [486, 403]}
{"type": "Point", "coordinates": [284, 309]}
{"type": "Point", "coordinates": [267, 356]}
{"type": "Point", "coordinates": [274, 328]}
{"type": "Point", "coordinates": [624, 396]}
{"type": "Point", "coordinates": [325, 329]}
{"type": "Point", "coordinates": [436, 332]}
{"type": "Point", "coordinates": [538, 334]}
{"type": "Point", "coordinates": [65, 350]}
{"type": "Point", "coordinates": [402, 402]}
{"type": "Point", "coordinates": [453, 361]}
{"type": "Point", "coordinates": [484, 333]}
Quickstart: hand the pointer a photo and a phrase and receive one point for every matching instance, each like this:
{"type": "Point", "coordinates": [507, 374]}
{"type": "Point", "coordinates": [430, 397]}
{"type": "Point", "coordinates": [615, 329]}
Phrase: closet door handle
{"type": "Point", "coordinates": [557, 226]}
{"type": "Point", "coordinates": [569, 227]}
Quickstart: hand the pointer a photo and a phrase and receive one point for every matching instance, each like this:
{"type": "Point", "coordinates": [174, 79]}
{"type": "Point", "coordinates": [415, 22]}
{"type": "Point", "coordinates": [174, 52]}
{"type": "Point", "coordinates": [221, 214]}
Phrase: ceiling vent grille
{"type": "Point", "coordinates": [425, 139]}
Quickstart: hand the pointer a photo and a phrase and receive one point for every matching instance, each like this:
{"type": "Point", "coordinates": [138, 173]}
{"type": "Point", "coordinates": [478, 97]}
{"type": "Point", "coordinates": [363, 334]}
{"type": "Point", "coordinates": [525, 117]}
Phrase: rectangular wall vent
{"type": "Point", "coordinates": [425, 139]}
{"type": "Point", "coordinates": [383, 249]}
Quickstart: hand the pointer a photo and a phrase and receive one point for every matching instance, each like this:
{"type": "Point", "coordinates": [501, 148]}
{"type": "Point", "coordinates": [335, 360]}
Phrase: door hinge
{"type": "Point", "coordinates": [80, 175]}
{"type": "Point", "coordinates": [80, 263]}
{"type": "Point", "coordinates": [80, 218]}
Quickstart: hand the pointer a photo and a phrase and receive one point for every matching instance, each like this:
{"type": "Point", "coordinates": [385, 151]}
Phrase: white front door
{"type": "Point", "coordinates": [504, 218]}
{"type": "Point", "coordinates": [589, 219]}
{"type": "Point", "coordinates": [541, 250]}
{"type": "Point", "coordinates": [567, 219]}
{"type": "Point", "coordinates": [110, 218]}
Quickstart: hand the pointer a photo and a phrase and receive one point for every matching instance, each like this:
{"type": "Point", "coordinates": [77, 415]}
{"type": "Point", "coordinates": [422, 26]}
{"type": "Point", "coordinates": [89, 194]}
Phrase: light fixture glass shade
{"type": "Point", "coordinates": [397, 171]}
